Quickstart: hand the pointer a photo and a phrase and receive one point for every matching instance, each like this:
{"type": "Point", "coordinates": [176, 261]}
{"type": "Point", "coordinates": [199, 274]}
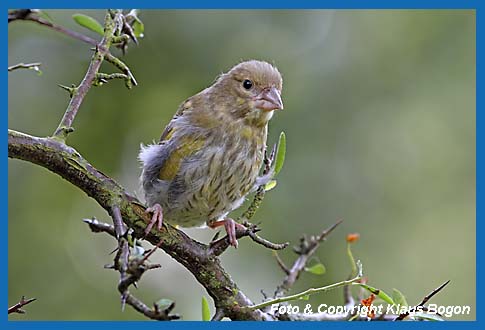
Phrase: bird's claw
{"type": "Point", "coordinates": [231, 227]}
{"type": "Point", "coordinates": [157, 217]}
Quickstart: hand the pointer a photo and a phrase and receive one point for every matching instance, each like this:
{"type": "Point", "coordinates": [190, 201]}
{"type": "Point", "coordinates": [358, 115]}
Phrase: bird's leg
{"type": "Point", "coordinates": [157, 217]}
{"type": "Point", "coordinates": [230, 226]}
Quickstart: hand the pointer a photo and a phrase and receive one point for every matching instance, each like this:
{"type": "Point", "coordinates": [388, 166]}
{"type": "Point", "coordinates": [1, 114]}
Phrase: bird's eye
{"type": "Point", "coordinates": [247, 84]}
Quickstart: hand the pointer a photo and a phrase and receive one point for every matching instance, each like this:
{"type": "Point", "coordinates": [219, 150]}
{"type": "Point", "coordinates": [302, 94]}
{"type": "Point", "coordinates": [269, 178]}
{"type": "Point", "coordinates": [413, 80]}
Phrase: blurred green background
{"type": "Point", "coordinates": [380, 121]}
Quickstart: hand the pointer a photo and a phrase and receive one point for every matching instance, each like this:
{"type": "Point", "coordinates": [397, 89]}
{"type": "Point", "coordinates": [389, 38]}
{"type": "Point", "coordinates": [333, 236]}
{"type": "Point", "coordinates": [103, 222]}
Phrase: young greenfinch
{"type": "Point", "coordinates": [210, 154]}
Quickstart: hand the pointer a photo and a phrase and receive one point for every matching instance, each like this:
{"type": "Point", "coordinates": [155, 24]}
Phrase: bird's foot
{"type": "Point", "coordinates": [230, 226]}
{"type": "Point", "coordinates": [157, 217]}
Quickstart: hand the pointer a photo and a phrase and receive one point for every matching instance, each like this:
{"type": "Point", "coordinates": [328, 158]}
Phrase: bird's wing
{"type": "Point", "coordinates": [183, 148]}
{"type": "Point", "coordinates": [168, 131]}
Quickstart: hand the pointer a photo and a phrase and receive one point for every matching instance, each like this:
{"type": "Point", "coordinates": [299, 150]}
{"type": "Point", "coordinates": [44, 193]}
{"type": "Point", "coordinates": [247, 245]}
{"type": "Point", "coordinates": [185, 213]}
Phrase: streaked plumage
{"type": "Point", "coordinates": [210, 154]}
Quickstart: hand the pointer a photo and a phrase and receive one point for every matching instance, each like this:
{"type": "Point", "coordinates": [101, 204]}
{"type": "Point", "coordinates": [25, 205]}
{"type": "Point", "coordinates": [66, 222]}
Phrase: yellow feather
{"type": "Point", "coordinates": [188, 146]}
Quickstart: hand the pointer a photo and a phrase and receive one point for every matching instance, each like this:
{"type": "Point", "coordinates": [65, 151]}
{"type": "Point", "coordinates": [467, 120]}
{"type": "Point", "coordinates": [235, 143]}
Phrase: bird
{"type": "Point", "coordinates": [210, 154]}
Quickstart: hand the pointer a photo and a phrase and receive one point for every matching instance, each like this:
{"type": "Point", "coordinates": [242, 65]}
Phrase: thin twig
{"type": "Point", "coordinates": [254, 206]}
{"type": "Point", "coordinates": [149, 254]}
{"type": "Point", "coordinates": [423, 302]}
{"type": "Point", "coordinates": [349, 300]}
{"type": "Point", "coordinates": [97, 226]}
{"type": "Point", "coordinates": [305, 250]}
{"type": "Point", "coordinates": [264, 242]}
{"type": "Point", "coordinates": [131, 271]}
{"type": "Point", "coordinates": [280, 262]}
{"type": "Point", "coordinates": [130, 276]}
{"type": "Point", "coordinates": [153, 313]}
{"type": "Point", "coordinates": [219, 246]}
{"type": "Point", "coordinates": [102, 48]}
{"type": "Point", "coordinates": [29, 15]}
{"type": "Point", "coordinates": [303, 294]}
{"type": "Point", "coordinates": [32, 66]}
{"type": "Point", "coordinates": [117, 221]}
{"type": "Point", "coordinates": [131, 81]}
{"type": "Point", "coordinates": [17, 308]}
{"type": "Point", "coordinates": [121, 264]}
{"type": "Point", "coordinates": [433, 293]}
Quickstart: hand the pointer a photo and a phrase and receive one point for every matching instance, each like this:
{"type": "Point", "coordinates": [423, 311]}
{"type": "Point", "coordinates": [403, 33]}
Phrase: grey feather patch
{"type": "Point", "coordinates": [152, 158]}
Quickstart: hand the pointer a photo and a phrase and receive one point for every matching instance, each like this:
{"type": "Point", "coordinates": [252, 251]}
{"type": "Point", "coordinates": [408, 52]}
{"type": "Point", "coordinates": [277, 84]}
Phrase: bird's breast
{"type": "Point", "coordinates": [220, 175]}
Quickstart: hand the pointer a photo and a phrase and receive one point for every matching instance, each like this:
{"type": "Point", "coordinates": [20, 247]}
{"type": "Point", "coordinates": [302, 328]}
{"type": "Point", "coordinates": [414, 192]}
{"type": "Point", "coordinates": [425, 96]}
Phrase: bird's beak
{"type": "Point", "coordinates": [269, 99]}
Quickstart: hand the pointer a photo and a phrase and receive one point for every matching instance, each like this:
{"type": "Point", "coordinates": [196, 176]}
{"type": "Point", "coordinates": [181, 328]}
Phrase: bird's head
{"type": "Point", "coordinates": [250, 91]}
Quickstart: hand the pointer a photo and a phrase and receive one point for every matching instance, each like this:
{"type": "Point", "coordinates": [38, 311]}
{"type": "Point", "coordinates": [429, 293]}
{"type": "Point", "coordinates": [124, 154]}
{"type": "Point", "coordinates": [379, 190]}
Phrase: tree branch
{"type": "Point", "coordinates": [196, 257]}
{"type": "Point", "coordinates": [17, 308]}
{"type": "Point", "coordinates": [201, 260]}
{"type": "Point", "coordinates": [102, 48]}
{"type": "Point", "coordinates": [219, 315]}
{"type": "Point", "coordinates": [31, 66]}
{"type": "Point", "coordinates": [30, 15]}
{"type": "Point", "coordinates": [305, 250]}
{"type": "Point", "coordinates": [305, 293]}
{"type": "Point", "coordinates": [55, 155]}
{"type": "Point", "coordinates": [112, 25]}
{"type": "Point", "coordinates": [423, 302]}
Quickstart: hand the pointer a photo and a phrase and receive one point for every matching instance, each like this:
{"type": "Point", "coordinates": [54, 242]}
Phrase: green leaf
{"type": "Point", "coordinates": [270, 185]}
{"type": "Point", "coordinates": [399, 298]}
{"type": "Point", "coordinates": [89, 23]}
{"type": "Point", "coordinates": [317, 269]}
{"type": "Point", "coordinates": [163, 303]}
{"type": "Point", "coordinates": [138, 28]}
{"type": "Point", "coordinates": [379, 293]}
{"type": "Point", "coordinates": [306, 297]}
{"type": "Point", "coordinates": [280, 153]}
{"type": "Point", "coordinates": [206, 314]}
